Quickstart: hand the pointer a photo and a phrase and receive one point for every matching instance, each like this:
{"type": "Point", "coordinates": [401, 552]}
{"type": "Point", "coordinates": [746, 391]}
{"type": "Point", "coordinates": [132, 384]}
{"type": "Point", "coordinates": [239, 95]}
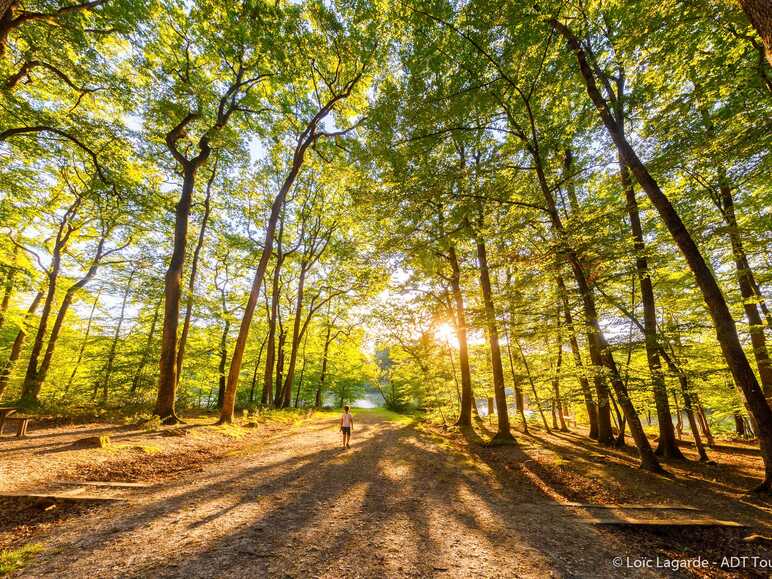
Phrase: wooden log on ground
{"type": "Point", "coordinates": [61, 497]}
{"type": "Point", "coordinates": [92, 442]}
{"type": "Point", "coordinates": [629, 521]}
{"type": "Point", "coordinates": [630, 506]}
{"type": "Point", "coordinates": [98, 483]}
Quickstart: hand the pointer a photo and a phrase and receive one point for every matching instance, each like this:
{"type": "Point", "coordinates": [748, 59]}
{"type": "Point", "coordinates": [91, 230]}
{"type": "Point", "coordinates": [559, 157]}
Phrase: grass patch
{"type": "Point", "coordinates": [14, 559]}
{"type": "Point", "coordinates": [287, 416]}
{"type": "Point", "coordinates": [381, 413]}
{"type": "Point", "coordinates": [232, 430]}
{"type": "Point", "coordinates": [284, 417]}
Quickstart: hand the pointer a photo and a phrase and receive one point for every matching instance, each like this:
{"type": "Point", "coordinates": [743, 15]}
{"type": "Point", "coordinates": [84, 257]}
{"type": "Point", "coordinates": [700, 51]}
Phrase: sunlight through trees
{"type": "Point", "coordinates": [554, 215]}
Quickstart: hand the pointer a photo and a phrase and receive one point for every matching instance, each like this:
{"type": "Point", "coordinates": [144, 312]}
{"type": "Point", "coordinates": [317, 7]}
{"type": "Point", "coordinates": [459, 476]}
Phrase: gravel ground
{"type": "Point", "coordinates": [405, 501]}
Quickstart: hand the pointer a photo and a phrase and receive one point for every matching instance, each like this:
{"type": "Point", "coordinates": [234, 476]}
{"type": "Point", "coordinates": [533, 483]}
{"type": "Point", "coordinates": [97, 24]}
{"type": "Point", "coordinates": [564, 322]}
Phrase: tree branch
{"type": "Point", "coordinates": [178, 132]}
{"type": "Point", "coordinates": [4, 135]}
{"type": "Point", "coordinates": [50, 16]}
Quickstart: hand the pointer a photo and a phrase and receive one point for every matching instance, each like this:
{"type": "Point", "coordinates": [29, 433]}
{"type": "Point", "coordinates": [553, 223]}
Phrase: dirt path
{"type": "Point", "coordinates": [399, 503]}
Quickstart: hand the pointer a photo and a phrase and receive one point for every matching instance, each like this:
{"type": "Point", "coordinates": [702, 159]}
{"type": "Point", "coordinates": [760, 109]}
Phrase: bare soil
{"type": "Point", "coordinates": [407, 500]}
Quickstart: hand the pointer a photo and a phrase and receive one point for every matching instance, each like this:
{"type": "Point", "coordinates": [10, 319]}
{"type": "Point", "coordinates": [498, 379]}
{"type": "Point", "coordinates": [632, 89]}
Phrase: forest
{"type": "Point", "coordinates": [509, 219]}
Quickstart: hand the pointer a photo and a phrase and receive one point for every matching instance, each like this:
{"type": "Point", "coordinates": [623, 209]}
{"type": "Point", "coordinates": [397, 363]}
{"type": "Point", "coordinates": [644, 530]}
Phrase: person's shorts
{"type": "Point", "coordinates": [345, 429]}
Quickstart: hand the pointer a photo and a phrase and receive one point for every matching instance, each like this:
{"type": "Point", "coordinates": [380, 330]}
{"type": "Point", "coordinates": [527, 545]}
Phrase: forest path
{"type": "Point", "coordinates": [399, 503]}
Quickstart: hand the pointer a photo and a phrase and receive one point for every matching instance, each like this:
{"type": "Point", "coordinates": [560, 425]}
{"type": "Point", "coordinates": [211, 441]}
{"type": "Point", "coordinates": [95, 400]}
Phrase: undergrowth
{"type": "Point", "coordinates": [14, 559]}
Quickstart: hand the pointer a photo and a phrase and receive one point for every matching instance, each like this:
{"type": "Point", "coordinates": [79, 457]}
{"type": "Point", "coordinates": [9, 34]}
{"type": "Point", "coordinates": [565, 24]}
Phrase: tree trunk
{"type": "Point", "coordinates": [63, 234]}
{"type": "Point", "coordinates": [146, 352]}
{"type": "Point", "coordinates": [257, 367]}
{"type": "Point", "coordinates": [679, 421]}
{"type": "Point", "coordinates": [558, 401]}
{"type": "Point", "coordinates": [223, 363]}
{"type": "Point", "coordinates": [455, 377]}
{"type": "Point", "coordinates": [621, 421]}
{"type": "Point", "coordinates": [589, 403]}
{"type": "Point", "coordinates": [226, 327]}
{"type": "Point", "coordinates": [595, 338]}
{"type": "Point", "coordinates": [302, 372]}
{"type": "Point", "coordinates": [690, 415]}
{"type": "Point", "coordinates": [689, 410]}
{"type": "Point", "coordinates": [114, 344]}
{"type": "Point", "coordinates": [297, 336]}
{"type": "Point", "coordinates": [519, 402]}
{"type": "Point", "coordinates": [193, 274]}
{"type": "Point", "coordinates": [747, 284]}
{"type": "Point", "coordinates": [762, 303]}
{"type": "Point", "coordinates": [690, 399]}
{"type": "Point", "coordinates": [667, 446]}
{"type": "Point", "coordinates": [503, 434]}
{"type": "Point", "coordinates": [270, 353]}
{"type": "Point", "coordinates": [279, 397]}
{"type": "Point", "coordinates": [306, 138]}
{"type": "Point", "coordinates": [31, 388]}
{"type": "Point", "coordinates": [30, 378]}
{"type": "Point", "coordinates": [749, 427]}
{"type": "Point", "coordinates": [323, 374]}
{"type": "Point", "coordinates": [8, 286]}
{"type": "Point", "coordinates": [315, 241]}
{"type": "Point", "coordinates": [600, 352]}
{"type": "Point", "coordinates": [18, 343]}
{"type": "Point", "coordinates": [533, 384]}
{"type": "Point", "coordinates": [83, 344]}
{"type": "Point", "coordinates": [726, 331]}
{"type": "Point", "coordinates": [601, 356]}
{"type": "Point", "coordinates": [691, 406]}
{"type": "Point", "coordinates": [739, 425]}
{"type": "Point", "coordinates": [465, 414]}
{"type": "Point", "coordinates": [33, 381]}
{"type": "Point", "coordinates": [759, 12]}
{"type": "Point", "coordinates": [703, 421]}
{"type": "Point", "coordinates": [167, 377]}
{"type": "Point", "coordinates": [749, 289]}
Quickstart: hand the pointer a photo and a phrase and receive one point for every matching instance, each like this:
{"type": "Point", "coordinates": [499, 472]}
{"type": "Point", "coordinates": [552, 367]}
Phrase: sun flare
{"type": "Point", "coordinates": [445, 333]}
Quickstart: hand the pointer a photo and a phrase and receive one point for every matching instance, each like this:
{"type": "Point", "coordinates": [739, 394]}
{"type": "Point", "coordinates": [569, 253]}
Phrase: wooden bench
{"type": "Point", "coordinates": [5, 412]}
{"type": "Point", "coordinates": [21, 429]}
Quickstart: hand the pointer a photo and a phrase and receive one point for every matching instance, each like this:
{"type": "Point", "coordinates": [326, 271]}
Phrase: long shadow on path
{"type": "Point", "coordinates": [399, 503]}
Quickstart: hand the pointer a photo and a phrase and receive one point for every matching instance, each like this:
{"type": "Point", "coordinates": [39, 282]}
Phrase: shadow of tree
{"type": "Point", "coordinates": [404, 501]}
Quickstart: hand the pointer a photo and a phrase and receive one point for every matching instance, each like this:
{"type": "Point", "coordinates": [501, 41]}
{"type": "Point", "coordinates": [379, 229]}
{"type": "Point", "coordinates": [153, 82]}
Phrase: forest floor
{"type": "Point", "coordinates": [409, 499]}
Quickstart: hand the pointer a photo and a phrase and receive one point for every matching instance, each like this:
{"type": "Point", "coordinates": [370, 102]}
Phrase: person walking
{"type": "Point", "coordinates": [346, 426]}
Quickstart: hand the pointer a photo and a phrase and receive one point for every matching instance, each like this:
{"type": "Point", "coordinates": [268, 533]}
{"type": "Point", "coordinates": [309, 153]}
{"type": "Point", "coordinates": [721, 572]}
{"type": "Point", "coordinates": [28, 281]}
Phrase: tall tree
{"type": "Point", "coordinates": [239, 57]}
{"type": "Point", "coordinates": [114, 344]}
{"type": "Point", "coordinates": [18, 343]}
{"type": "Point", "coordinates": [726, 331]}
{"type": "Point", "coordinates": [36, 375]}
{"type": "Point", "coordinates": [207, 210]}
{"type": "Point", "coordinates": [340, 83]}
{"type": "Point", "coordinates": [84, 343]}
{"type": "Point", "coordinates": [315, 237]}
{"type": "Point", "coordinates": [592, 414]}
{"type": "Point", "coordinates": [503, 433]}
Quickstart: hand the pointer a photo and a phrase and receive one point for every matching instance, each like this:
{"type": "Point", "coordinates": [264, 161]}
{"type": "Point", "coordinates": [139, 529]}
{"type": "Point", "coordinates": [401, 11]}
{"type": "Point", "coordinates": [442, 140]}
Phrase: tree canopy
{"type": "Point", "coordinates": [557, 213]}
